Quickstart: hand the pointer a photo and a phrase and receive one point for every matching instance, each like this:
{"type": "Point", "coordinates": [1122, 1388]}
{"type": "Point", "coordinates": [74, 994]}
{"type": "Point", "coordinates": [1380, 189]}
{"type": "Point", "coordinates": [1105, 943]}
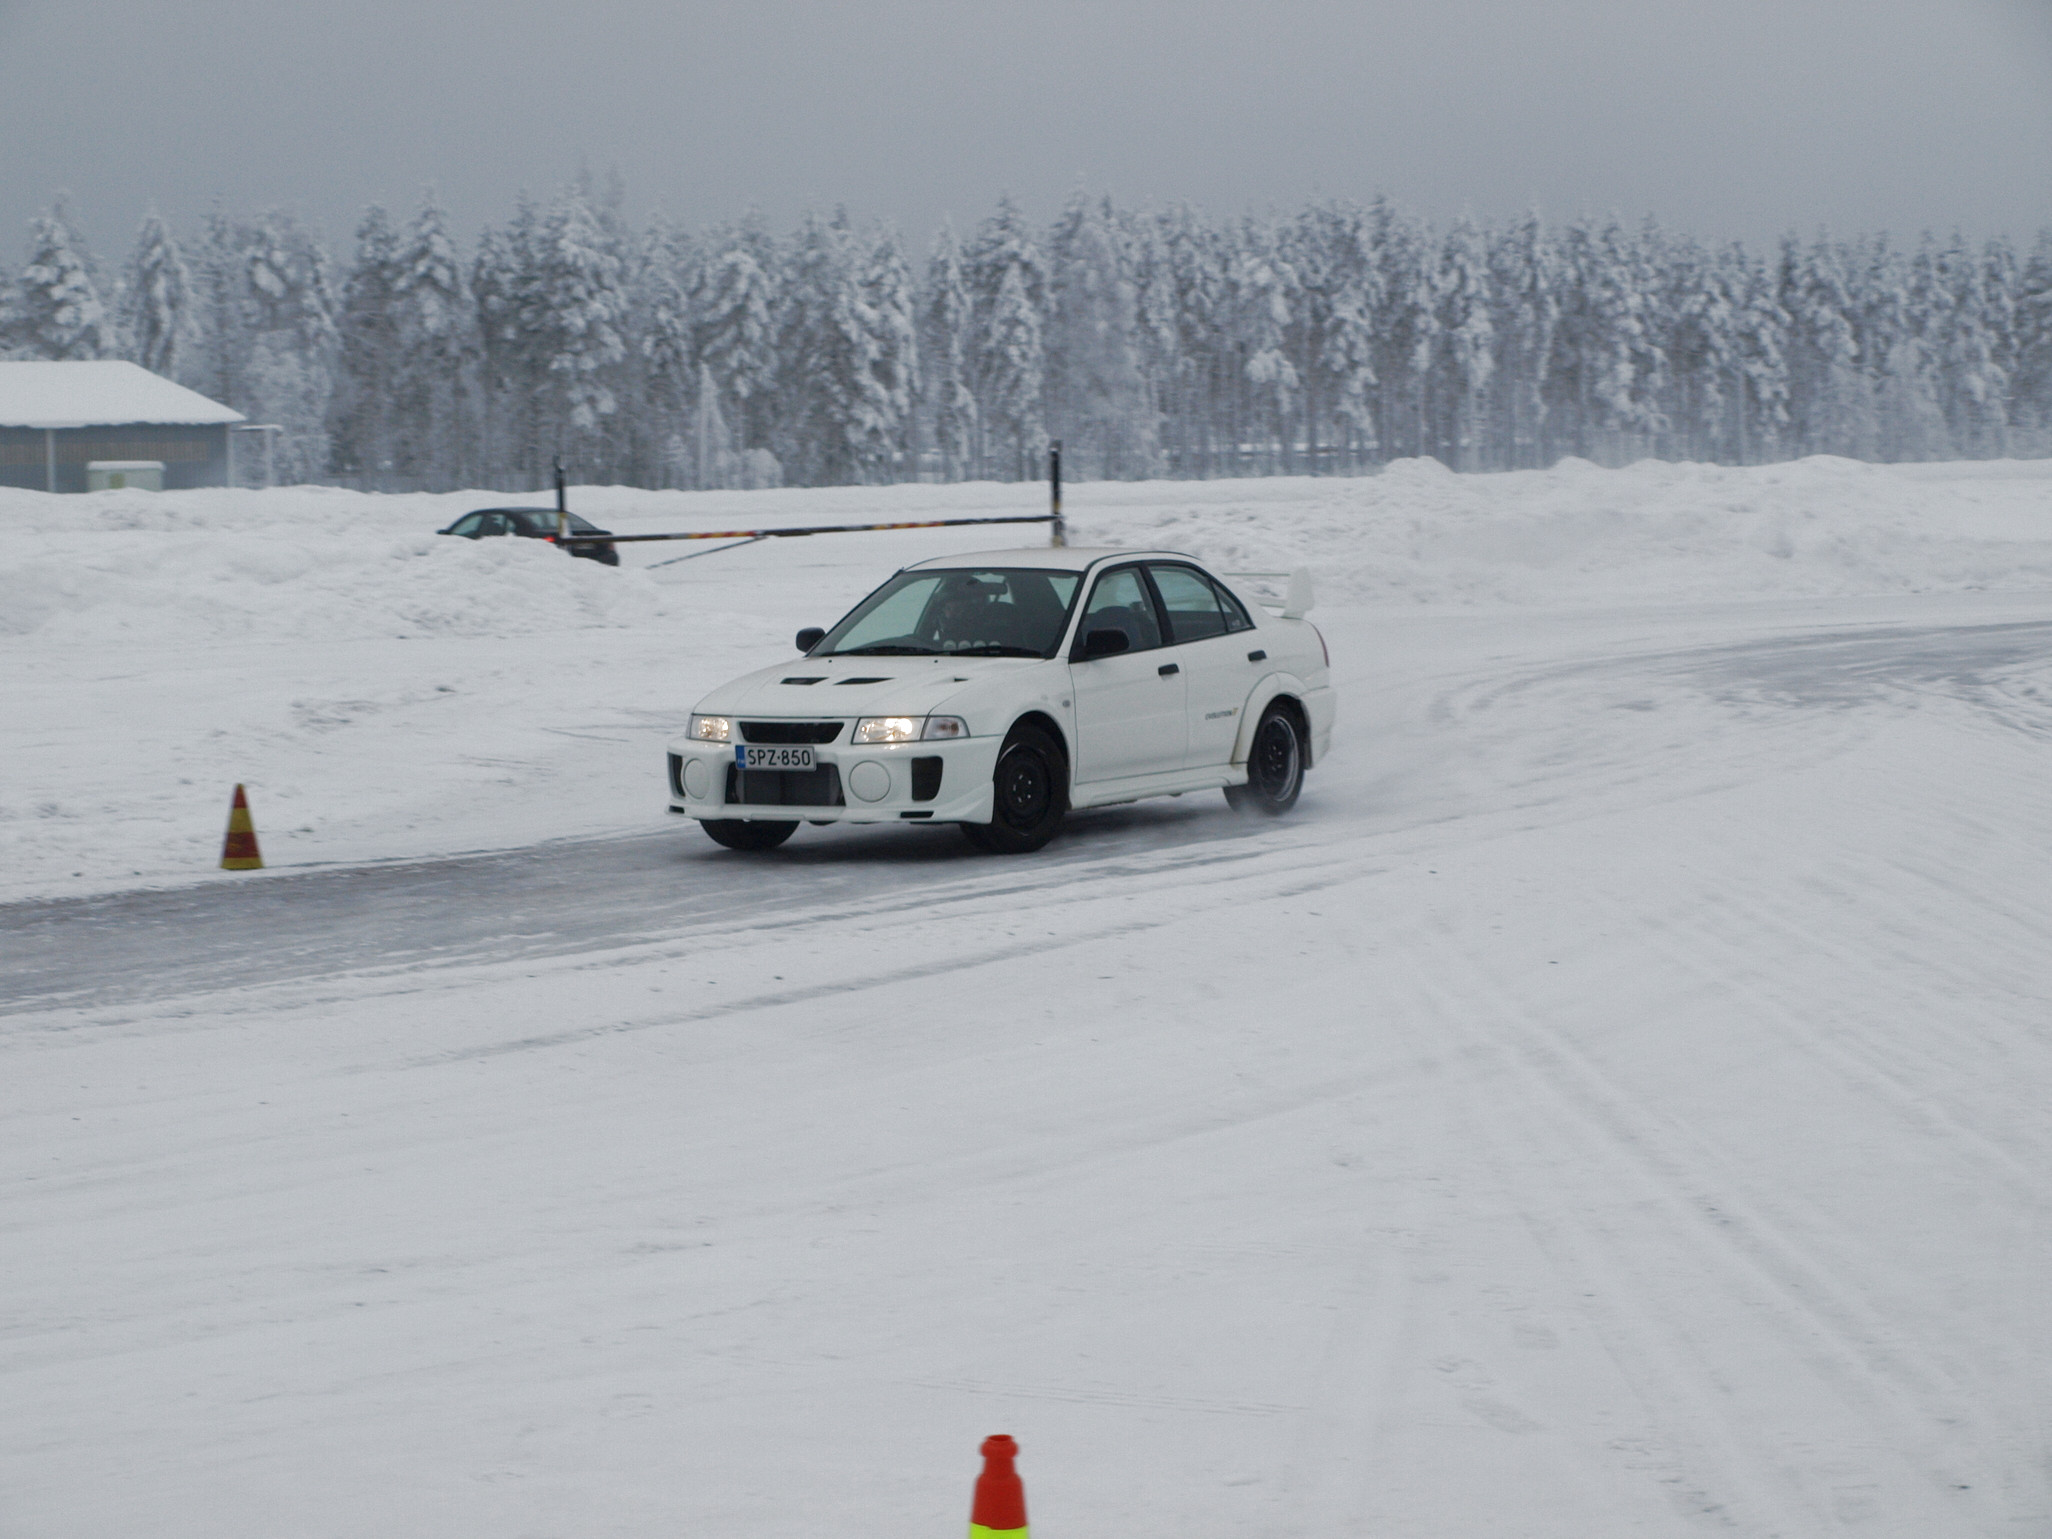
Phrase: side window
{"type": "Point", "coordinates": [492, 523]}
{"type": "Point", "coordinates": [1191, 602]}
{"type": "Point", "coordinates": [1235, 612]}
{"type": "Point", "coordinates": [1120, 602]}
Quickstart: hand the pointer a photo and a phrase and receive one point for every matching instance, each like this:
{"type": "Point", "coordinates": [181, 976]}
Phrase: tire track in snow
{"type": "Point", "coordinates": [1707, 1464]}
{"type": "Point", "coordinates": [1704, 1208]}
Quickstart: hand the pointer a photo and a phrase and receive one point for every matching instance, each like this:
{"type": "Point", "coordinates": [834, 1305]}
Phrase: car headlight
{"type": "Point", "coordinates": [712, 729]}
{"type": "Point", "coordinates": [945, 726]}
{"type": "Point", "coordinates": [888, 729]}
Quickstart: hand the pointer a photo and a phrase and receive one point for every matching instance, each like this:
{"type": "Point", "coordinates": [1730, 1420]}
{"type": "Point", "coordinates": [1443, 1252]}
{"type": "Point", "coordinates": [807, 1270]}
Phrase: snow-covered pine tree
{"type": "Point", "coordinates": [222, 358]}
{"type": "Point", "coordinates": [1628, 373]}
{"type": "Point", "coordinates": [433, 331]}
{"type": "Point", "coordinates": [58, 313]}
{"type": "Point", "coordinates": [733, 304]}
{"type": "Point", "coordinates": [1830, 399]}
{"type": "Point", "coordinates": [1008, 284]}
{"type": "Point", "coordinates": [360, 418]}
{"type": "Point", "coordinates": [2001, 284]}
{"type": "Point", "coordinates": [944, 324]}
{"type": "Point", "coordinates": [1332, 332]}
{"type": "Point", "coordinates": [1096, 399]}
{"type": "Point", "coordinates": [1760, 348]}
{"type": "Point", "coordinates": [292, 341]}
{"type": "Point", "coordinates": [157, 323]}
{"type": "Point", "coordinates": [834, 412]}
{"type": "Point", "coordinates": [1697, 340]}
{"type": "Point", "coordinates": [1156, 335]}
{"type": "Point", "coordinates": [2031, 399]}
{"type": "Point", "coordinates": [1466, 356]}
{"type": "Point", "coordinates": [574, 313]}
{"type": "Point", "coordinates": [891, 450]}
{"type": "Point", "coordinates": [1898, 362]}
{"type": "Point", "coordinates": [1408, 335]}
{"type": "Point", "coordinates": [1525, 293]}
{"type": "Point", "coordinates": [501, 276]}
{"type": "Point", "coordinates": [1193, 397]}
{"type": "Point", "coordinates": [1974, 391]}
{"type": "Point", "coordinates": [667, 371]}
{"type": "Point", "coordinates": [1264, 292]}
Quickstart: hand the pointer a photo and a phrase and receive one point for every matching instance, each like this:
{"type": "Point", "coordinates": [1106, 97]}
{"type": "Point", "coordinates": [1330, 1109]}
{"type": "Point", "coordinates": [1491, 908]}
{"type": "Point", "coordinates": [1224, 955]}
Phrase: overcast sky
{"type": "Point", "coordinates": [1724, 117]}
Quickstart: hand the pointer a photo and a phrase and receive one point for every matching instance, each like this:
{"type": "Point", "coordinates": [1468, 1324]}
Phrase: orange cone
{"type": "Point", "coordinates": [999, 1511]}
{"type": "Point", "coordinates": [240, 852]}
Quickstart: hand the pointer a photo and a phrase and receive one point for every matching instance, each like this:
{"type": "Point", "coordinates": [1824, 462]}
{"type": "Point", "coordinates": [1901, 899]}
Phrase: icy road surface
{"type": "Point", "coordinates": [1614, 1104]}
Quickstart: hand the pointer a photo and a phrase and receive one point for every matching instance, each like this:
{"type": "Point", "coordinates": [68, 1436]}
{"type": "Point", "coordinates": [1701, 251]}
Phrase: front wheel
{"type": "Point", "coordinates": [1275, 766]}
{"type": "Point", "coordinates": [1030, 795]}
{"type": "Point", "coordinates": [741, 834]}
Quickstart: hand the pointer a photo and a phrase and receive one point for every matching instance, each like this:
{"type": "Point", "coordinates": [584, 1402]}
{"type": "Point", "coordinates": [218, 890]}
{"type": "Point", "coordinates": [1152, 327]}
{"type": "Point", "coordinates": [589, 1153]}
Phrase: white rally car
{"type": "Point", "coordinates": [1000, 690]}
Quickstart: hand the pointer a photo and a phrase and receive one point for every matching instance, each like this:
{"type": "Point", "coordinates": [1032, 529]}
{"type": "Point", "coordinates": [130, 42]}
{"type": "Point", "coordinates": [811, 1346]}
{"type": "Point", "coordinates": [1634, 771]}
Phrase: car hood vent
{"type": "Point", "coordinates": [813, 679]}
{"type": "Point", "coordinates": [861, 681]}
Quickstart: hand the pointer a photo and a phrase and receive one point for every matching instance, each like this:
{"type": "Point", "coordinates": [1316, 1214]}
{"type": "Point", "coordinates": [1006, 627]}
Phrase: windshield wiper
{"type": "Point", "coordinates": [887, 649]}
{"type": "Point", "coordinates": [996, 649]}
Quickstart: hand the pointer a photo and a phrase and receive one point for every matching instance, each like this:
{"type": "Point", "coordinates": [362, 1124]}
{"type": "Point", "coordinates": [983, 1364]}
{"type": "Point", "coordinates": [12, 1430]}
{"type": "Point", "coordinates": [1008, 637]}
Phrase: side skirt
{"type": "Point", "coordinates": [1105, 793]}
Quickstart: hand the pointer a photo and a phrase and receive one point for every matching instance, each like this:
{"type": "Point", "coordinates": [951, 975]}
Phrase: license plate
{"type": "Point", "coordinates": [754, 756]}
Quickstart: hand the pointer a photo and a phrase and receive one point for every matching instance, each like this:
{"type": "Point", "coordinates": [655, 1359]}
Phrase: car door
{"type": "Point", "coordinates": [1206, 635]}
{"type": "Point", "coordinates": [1131, 717]}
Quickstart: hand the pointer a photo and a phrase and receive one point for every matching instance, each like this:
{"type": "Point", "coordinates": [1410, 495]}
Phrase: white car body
{"type": "Point", "coordinates": [1152, 721]}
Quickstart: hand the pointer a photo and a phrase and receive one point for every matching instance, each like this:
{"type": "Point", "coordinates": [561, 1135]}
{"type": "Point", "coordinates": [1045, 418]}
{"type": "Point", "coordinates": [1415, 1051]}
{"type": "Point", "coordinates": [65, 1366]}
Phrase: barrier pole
{"type": "Point", "coordinates": [1057, 531]}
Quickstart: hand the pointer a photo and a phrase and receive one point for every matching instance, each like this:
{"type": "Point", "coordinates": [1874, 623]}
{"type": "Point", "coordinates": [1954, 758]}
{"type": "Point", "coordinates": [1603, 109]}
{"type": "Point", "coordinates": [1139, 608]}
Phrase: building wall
{"type": "Point", "coordinates": [192, 456]}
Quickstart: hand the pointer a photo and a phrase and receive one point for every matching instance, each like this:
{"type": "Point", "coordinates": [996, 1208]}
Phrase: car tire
{"type": "Point", "coordinates": [742, 834]}
{"type": "Point", "coordinates": [1030, 795]}
{"type": "Point", "coordinates": [1275, 765]}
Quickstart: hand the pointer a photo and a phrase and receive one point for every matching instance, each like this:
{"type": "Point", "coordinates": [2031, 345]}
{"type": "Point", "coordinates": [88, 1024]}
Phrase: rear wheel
{"type": "Point", "coordinates": [1030, 794]}
{"type": "Point", "coordinates": [742, 834]}
{"type": "Point", "coordinates": [1275, 765]}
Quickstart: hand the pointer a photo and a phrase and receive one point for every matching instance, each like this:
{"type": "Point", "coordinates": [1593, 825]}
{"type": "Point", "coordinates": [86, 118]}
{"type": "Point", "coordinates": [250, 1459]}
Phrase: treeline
{"type": "Point", "coordinates": [1151, 343]}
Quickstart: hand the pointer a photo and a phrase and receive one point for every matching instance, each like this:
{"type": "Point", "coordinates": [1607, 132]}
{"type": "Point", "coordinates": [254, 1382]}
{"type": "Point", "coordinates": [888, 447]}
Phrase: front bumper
{"type": "Point", "coordinates": [869, 783]}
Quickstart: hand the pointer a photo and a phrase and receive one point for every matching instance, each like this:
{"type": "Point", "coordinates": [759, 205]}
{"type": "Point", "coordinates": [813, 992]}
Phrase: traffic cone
{"type": "Point", "coordinates": [240, 852]}
{"type": "Point", "coordinates": [999, 1511]}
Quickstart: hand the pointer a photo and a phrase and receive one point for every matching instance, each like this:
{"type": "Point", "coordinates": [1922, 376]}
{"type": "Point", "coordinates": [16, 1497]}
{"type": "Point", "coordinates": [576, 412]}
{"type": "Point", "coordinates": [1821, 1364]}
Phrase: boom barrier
{"type": "Point", "coordinates": [785, 534]}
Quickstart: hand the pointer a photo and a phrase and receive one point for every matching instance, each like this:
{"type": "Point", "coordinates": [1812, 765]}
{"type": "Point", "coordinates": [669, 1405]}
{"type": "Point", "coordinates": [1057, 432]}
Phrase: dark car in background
{"type": "Point", "coordinates": [585, 539]}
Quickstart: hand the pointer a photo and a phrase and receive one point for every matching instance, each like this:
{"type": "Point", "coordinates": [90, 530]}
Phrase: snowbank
{"type": "Point", "coordinates": [1578, 534]}
{"type": "Point", "coordinates": [308, 564]}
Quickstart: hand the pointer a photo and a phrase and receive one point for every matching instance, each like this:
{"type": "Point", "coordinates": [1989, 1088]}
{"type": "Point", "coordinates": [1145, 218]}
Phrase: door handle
{"type": "Point", "coordinates": [1168, 668]}
{"type": "Point", "coordinates": [1257, 656]}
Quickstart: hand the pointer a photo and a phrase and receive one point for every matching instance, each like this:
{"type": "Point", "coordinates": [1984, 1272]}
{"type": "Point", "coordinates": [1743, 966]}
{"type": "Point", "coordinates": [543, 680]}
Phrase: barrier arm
{"type": "Point", "coordinates": [749, 536]}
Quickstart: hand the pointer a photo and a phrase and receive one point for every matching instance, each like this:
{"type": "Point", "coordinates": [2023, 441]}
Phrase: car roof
{"type": "Point", "coordinates": [1045, 558]}
{"type": "Point", "coordinates": [550, 511]}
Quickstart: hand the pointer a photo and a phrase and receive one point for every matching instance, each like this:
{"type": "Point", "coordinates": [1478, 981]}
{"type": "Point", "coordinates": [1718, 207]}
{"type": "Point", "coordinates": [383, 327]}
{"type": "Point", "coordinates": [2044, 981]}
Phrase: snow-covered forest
{"type": "Point", "coordinates": [1152, 343]}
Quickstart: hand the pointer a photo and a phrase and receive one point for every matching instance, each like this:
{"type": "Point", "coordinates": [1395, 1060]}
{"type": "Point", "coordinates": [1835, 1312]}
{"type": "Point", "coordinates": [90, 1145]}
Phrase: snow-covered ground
{"type": "Point", "coordinates": [384, 693]}
{"type": "Point", "coordinates": [1613, 1104]}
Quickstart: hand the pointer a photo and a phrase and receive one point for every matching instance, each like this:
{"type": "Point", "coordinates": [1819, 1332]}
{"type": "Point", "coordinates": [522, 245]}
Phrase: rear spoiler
{"type": "Point", "coordinates": [1294, 602]}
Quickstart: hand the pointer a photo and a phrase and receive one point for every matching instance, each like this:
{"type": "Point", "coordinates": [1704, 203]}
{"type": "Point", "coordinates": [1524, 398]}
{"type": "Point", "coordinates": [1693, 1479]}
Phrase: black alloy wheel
{"type": "Point", "coordinates": [742, 834]}
{"type": "Point", "coordinates": [1031, 795]}
{"type": "Point", "coordinates": [1275, 765]}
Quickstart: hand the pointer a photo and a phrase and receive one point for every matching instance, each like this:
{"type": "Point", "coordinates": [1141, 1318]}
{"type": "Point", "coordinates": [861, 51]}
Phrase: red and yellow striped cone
{"type": "Point", "coordinates": [240, 852]}
{"type": "Point", "coordinates": [999, 1511]}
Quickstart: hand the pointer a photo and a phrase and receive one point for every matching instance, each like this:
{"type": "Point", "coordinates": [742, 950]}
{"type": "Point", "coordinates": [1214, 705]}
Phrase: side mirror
{"type": "Point", "coordinates": [1105, 644]}
{"type": "Point", "coordinates": [810, 637]}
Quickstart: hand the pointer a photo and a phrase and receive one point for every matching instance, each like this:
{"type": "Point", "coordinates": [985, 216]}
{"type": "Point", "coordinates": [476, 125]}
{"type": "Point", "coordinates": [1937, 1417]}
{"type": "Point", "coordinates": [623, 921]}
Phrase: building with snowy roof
{"type": "Point", "coordinates": [71, 426]}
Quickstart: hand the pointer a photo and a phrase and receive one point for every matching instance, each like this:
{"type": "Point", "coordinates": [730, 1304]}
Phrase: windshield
{"type": "Point", "coordinates": [972, 612]}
